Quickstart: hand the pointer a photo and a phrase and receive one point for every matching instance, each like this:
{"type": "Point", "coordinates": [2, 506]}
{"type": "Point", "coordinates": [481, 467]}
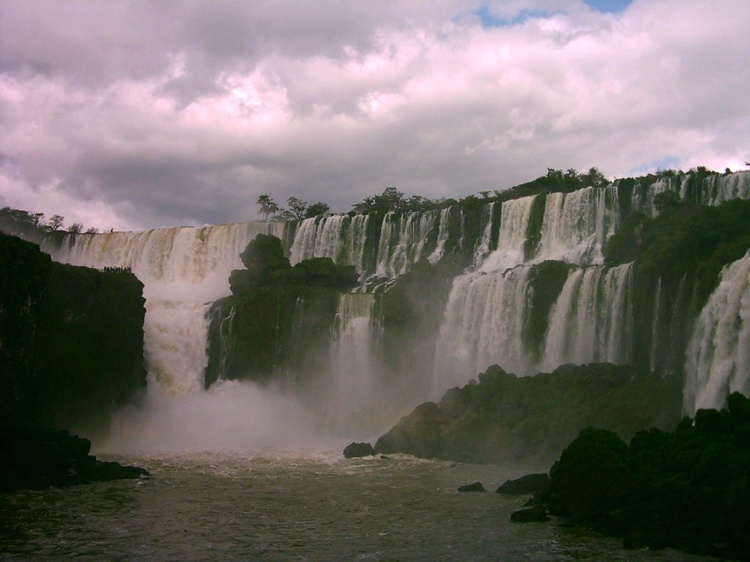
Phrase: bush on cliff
{"type": "Point", "coordinates": [266, 266]}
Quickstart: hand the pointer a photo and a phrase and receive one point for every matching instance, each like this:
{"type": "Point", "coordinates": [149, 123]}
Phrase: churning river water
{"type": "Point", "coordinates": [303, 505]}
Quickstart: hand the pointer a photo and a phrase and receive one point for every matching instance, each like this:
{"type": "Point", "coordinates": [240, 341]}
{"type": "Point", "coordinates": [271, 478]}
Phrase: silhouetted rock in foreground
{"type": "Point", "coordinates": [688, 489]}
{"type": "Point", "coordinates": [358, 450]}
{"type": "Point", "coordinates": [526, 485]}
{"type": "Point", "coordinates": [36, 457]}
{"type": "Point", "coordinates": [531, 515]}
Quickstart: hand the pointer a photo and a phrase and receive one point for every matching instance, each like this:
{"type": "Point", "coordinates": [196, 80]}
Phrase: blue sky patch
{"type": "Point", "coordinates": [488, 20]}
{"type": "Point", "coordinates": [608, 6]}
{"type": "Point", "coordinates": [663, 163]}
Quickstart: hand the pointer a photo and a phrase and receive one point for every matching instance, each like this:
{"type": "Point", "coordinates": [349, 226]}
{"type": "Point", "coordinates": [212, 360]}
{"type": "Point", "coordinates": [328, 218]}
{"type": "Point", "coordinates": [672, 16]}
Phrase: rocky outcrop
{"type": "Point", "coordinates": [688, 489]}
{"type": "Point", "coordinates": [354, 450]}
{"type": "Point", "coordinates": [278, 319]}
{"type": "Point", "coordinates": [525, 485]}
{"type": "Point", "coordinates": [534, 514]}
{"type": "Point", "coordinates": [528, 420]}
{"type": "Point", "coordinates": [473, 487]}
{"type": "Point", "coordinates": [36, 457]}
{"type": "Point", "coordinates": [71, 340]}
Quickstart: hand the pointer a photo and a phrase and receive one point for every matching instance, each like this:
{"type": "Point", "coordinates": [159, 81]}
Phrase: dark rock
{"type": "Point", "coordinates": [529, 484]}
{"type": "Point", "coordinates": [37, 457]}
{"type": "Point", "coordinates": [534, 514]}
{"type": "Point", "coordinates": [527, 421]}
{"type": "Point", "coordinates": [474, 487]}
{"type": "Point", "coordinates": [359, 450]}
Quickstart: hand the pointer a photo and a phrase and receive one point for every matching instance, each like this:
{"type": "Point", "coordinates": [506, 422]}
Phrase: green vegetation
{"type": "Point", "coordinates": [684, 239]}
{"type": "Point", "coordinates": [268, 267]}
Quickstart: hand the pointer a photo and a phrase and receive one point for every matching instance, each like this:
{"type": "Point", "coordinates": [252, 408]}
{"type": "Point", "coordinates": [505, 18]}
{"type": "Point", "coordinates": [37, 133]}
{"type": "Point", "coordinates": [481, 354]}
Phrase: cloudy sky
{"type": "Point", "coordinates": [134, 114]}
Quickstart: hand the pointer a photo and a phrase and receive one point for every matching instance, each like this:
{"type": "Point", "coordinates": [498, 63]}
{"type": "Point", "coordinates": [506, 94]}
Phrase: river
{"type": "Point", "coordinates": [292, 505]}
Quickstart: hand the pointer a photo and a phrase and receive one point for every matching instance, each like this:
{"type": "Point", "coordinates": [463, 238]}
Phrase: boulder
{"type": "Point", "coordinates": [358, 450]}
{"type": "Point", "coordinates": [526, 485]}
{"type": "Point", "coordinates": [536, 514]}
{"type": "Point", "coordinates": [474, 487]}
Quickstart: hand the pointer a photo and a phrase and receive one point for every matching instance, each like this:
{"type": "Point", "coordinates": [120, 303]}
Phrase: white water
{"type": "Point", "coordinates": [186, 269]}
{"type": "Point", "coordinates": [339, 237]}
{"type": "Point", "coordinates": [718, 356]}
{"type": "Point", "coordinates": [353, 396]}
{"type": "Point", "coordinates": [592, 319]}
{"type": "Point", "coordinates": [514, 224]}
{"type": "Point", "coordinates": [403, 241]}
{"type": "Point", "coordinates": [720, 188]}
{"type": "Point", "coordinates": [183, 271]}
{"type": "Point", "coordinates": [483, 324]}
{"type": "Point", "coordinates": [576, 225]}
{"type": "Point", "coordinates": [483, 246]}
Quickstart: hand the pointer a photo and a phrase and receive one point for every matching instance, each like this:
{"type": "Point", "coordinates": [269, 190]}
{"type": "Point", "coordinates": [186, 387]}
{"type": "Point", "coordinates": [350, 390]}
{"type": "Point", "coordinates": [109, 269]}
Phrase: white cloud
{"type": "Point", "coordinates": [189, 119]}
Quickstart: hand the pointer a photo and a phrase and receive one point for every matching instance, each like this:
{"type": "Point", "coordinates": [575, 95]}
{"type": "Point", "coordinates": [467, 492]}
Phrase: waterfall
{"type": "Point", "coordinates": [443, 235]}
{"type": "Point", "coordinates": [514, 225]}
{"type": "Point", "coordinates": [592, 320]}
{"type": "Point", "coordinates": [339, 237]}
{"type": "Point", "coordinates": [718, 355]}
{"type": "Point", "coordinates": [484, 324]}
{"type": "Point", "coordinates": [183, 271]}
{"type": "Point", "coordinates": [719, 188]}
{"type": "Point", "coordinates": [576, 225]}
{"type": "Point", "coordinates": [485, 241]}
{"type": "Point", "coordinates": [355, 347]}
{"type": "Point", "coordinates": [403, 241]}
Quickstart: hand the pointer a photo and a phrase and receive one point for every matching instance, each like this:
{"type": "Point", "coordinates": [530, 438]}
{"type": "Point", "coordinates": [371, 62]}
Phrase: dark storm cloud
{"type": "Point", "coordinates": [146, 113]}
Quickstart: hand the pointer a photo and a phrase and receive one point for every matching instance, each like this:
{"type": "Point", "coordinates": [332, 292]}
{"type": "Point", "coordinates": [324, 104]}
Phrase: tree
{"type": "Point", "coordinates": [297, 208]}
{"type": "Point", "coordinates": [56, 222]}
{"type": "Point", "coordinates": [92, 230]}
{"type": "Point", "coordinates": [391, 200]}
{"type": "Point", "coordinates": [75, 228]}
{"type": "Point", "coordinates": [267, 206]}
{"type": "Point", "coordinates": [317, 209]}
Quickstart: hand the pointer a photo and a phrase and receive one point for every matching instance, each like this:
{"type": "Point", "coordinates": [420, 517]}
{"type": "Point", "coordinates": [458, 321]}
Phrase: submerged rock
{"type": "Point", "coordinates": [358, 450]}
{"type": "Point", "coordinates": [474, 487]}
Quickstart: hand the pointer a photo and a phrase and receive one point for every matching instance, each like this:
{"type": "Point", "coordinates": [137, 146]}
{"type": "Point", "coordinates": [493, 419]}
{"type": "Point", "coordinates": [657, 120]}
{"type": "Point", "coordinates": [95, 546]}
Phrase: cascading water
{"type": "Point", "coordinates": [355, 347]}
{"type": "Point", "coordinates": [719, 188]}
{"type": "Point", "coordinates": [339, 237]}
{"type": "Point", "coordinates": [718, 356]}
{"type": "Point", "coordinates": [403, 241]}
{"type": "Point", "coordinates": [483, 246]}
{"type": "Point", "coordinates": [514, 225]}
{"type": "Point", "coordinates": [183, 271]}
{"type": "Point", "coordinates": [576, 225]}
{"type": "Point", "coordinates": [490, 312]}
{"type": "Point", "coordinates": [592, 318]}
{"type": "Point", "coordinates": [484, 323]}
